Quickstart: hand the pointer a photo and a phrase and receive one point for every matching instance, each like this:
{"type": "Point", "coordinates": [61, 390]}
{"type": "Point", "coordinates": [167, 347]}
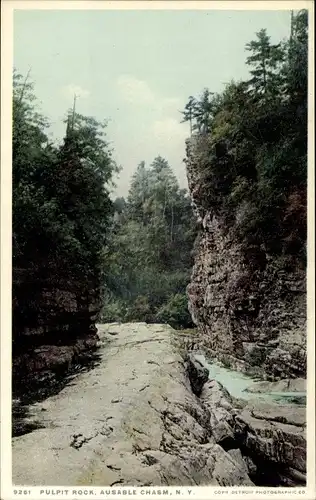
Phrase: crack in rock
{"type": "Point", "coordinates": [78, 440]}
{"type": "Point", "coordinates": [120, 481]}
{"type": "Point", "coordinates": [143, 388]}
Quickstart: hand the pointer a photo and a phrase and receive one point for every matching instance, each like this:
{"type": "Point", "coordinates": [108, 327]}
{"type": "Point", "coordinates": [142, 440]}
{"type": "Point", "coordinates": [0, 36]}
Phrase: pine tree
{"type": "Point", "coordinates": [265, 60]}
{"type": "Point", "coordinates": [255, 167]}
{"type": "Point", "coordinates": [190, 112]}
{"type": "Point", "coordinates": [199, 112]}
{"type": "Point", "coordinates": [82, 175]}
{"type": "Point", "coordinates": [204, 112]}
{"type": "Point", "coordinates": [297, 63]}
{"type": "Point", "coordinates": [138, 193]}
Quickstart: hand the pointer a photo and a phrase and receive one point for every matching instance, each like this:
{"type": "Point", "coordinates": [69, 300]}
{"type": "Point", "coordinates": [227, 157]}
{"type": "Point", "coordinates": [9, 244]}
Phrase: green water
{"type": "Point", "coordinates": [236, 383]}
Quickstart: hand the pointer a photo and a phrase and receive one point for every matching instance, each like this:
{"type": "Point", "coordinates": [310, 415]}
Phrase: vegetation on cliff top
{"type": "Point", "coordinates": [255, 133]}
{"type": "Point", "coordinates": [61, 205]}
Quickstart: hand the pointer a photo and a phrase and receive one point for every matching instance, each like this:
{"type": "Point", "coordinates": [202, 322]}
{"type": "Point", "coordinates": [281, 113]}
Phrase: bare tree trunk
{"type": "Point", "coordinates": [172, 222]}
{"type": "Point", "coordinates": [24, 86]}
{"type": "Point", "coordinates": [165, 204]}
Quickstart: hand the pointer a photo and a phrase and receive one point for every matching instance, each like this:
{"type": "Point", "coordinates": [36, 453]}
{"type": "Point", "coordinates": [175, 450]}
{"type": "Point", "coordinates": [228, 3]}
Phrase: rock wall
{"type": "Point", "coordinates": [53, 324]}
{"type": "Point", "coordinates": [250, 307]}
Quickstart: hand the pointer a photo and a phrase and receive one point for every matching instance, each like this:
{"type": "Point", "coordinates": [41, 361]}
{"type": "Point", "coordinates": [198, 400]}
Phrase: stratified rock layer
{"type": "Point", "coordinates": [249, 308]}
{"type": "Point", "coordinates": [270, 438]}
{"type": "Point", "coordinates": [53, 324]}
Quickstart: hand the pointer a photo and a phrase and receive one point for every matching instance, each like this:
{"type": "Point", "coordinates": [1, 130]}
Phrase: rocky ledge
{"type": "Point", "coordinates": [147, 415]}
{"type": "Point", "coordinates": [53, 325]}
{"type": "Point", "coordinates": [269, 440]}
{"type": "Point", "coordinates": [44, 364]}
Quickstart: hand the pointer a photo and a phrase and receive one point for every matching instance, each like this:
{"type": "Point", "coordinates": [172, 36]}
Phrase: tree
{"type": "Point", "coordinates": [199, 112]}
{"type": "Point", "coordinates": [119, 204]}
{"type": "Point", "coordinates": [138, 193]}
{"type": "Point", "coordinates": [265, 59]}
{"type": "Point", "coordinates": [148, 269]}
{"type": "Point", "coordinates": [297, 62]}
{"type": "Point", "coordinates": [82, 175]}
{"type": "Point", "coordinates": [255, 168]}
{"type": "Point", "coordinates": [204, 112]}
{"type": "Point", "coordinates": [61, 206]}
{"type": "Point", "coordinates": [189, 113]}
{"type": "Point", "coordinates": [33, 159]}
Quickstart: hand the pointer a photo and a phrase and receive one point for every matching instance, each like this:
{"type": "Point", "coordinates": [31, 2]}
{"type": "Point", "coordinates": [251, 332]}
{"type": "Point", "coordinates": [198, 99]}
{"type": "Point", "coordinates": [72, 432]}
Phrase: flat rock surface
{"type": "Point", "coordinates": [132, 420]}
{"type": "Point", "coordinates": [285, 385]}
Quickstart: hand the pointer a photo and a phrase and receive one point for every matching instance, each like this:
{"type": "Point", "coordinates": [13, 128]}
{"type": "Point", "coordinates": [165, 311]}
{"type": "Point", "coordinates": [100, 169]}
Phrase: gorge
{"type": "Point", "coordinates": [161, 338]}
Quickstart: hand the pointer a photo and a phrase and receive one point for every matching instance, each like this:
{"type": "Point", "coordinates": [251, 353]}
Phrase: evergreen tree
{"type": "Point", "coordinates": [61, 205]}
{"type": "Point", "coordinates": [190, 112]}
{"type": "Point", "coordinates": [265, 59]}
{"type": "Point", "coordinates": [138, 193]}
{"type": "Point", "coordinates": [256, 172]}
{"type": "Point", "coordinates": [148, 269]}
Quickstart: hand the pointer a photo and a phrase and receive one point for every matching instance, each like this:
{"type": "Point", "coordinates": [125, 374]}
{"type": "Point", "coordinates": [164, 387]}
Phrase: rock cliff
{"type": "Point", "coordinates": [53, 324]}
{"type": "Point", "coordinates": [249, 306]}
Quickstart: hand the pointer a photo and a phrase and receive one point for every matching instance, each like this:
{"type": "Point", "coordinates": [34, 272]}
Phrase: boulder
{"type": "Point", "coordinates": [273, 434]}
{"type": "Point", "coordinates": [223, 434]}
{"type": "Point", "coordinates": [198, 374]}
{"type": "Point", "coordinates": [271, 437]}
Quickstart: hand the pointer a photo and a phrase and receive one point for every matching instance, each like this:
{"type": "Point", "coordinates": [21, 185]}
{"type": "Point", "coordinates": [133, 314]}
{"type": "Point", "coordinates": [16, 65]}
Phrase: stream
{"type": "Point", "coordinates": [237, 384]}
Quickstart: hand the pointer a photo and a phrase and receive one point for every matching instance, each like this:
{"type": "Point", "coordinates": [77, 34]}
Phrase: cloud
{"type": "Point", "coordinates": [72, 89]}
{"type": "Point", "coordinates": [169, 129]}
{"type": "Point", "coordinates": [135, 91]}
{"type": "Point", "coordinates": [154, 129]}
{"type": "Point", "coordinates": [138, 92]}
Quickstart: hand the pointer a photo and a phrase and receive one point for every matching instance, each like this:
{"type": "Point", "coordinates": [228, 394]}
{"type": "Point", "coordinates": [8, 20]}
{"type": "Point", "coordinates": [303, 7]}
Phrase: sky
{"type": "Point", "coordinates": [136, 69]}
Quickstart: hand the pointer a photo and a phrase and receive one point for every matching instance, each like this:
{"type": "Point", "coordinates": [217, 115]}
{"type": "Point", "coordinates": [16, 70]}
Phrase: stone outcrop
{"type": "Point", "coordinates": [285, 385]}
{"type": "Point", "coordinates": [249, 307]}
{"type": "Point", "coordinates": [53, 324]}
{"type": "Point", "coordinates": [269, 440]}
{"type": "Point", "coordinates": [197, 373]}
{"type": "Point", "coordinates": [135, 420]}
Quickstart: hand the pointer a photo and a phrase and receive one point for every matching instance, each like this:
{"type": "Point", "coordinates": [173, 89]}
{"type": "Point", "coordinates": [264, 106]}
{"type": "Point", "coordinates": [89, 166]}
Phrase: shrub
{"type": "Point", "coordinates": [175, 312]}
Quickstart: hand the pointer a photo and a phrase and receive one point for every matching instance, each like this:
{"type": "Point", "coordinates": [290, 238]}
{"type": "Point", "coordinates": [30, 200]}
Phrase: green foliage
{"type": "Point", "coordinates": [175, 312]}
{"type": "Point", "coordinates": [256, 146]}
{"type": "Point", "coordinates": [149, 253]}
{"type": "Point", "coordinates": [199, 112]}
{"type": "Point", "coordinates": [140, 308]}
{"type": "Point", "coordinates": [265, 62]}
{"type": "Point", "coordinates": [113, 311]}
{"type": "Point", "coordinates": [61, 202]}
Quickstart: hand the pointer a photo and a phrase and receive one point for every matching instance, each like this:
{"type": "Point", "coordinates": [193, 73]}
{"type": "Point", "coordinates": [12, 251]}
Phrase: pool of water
{"type": "Point", "coordinates": [236, 383]}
